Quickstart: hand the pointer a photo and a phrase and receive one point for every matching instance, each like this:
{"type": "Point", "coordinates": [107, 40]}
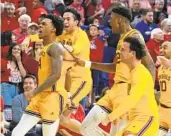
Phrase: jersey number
{"type": "Point", "coordinates": [163, 87]}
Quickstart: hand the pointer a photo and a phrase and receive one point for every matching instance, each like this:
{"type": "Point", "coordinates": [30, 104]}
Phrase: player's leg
{"type": "Point", "coordinates": [51, 108]}
{"type": "Point", "coordinates": [50, 129]}
{"type": "Point", "coordinates": [145, 127]}
{"type": "Point", "coordinates": [120, 91]}
{"type": "Point", "coordinates": [90, 123]}
{"type": "Point", "coordinates": [26, 123]}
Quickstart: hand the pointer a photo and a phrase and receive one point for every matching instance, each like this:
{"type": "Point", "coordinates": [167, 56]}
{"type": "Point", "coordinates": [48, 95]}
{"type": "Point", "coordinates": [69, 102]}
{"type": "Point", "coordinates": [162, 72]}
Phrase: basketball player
{"type": "Point", "coordinates": [140, 103]}
{"type": "Point", "coordinates": [47, 101]}
{"type": "Point", "coordinates": [75, 41]}
{"type": "Point", "coordinates": [120, 22]}
{"type": "Point", "coordinates": [164, 76]}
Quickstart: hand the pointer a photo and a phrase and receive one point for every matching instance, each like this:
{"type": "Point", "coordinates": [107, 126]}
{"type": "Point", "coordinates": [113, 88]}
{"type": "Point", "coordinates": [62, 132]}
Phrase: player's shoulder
{"type": "Point", "coordinates": [56, 47]}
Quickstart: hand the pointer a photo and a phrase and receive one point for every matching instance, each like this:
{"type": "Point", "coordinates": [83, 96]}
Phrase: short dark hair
{"type": "Point", "coordinates": [135, 45]}
{"type": "Point", "coordinates": [57, 22]}
{"type": "Point", "coordinates": [145, 11]}
{"type": "Point", "coordinates": [30, 76]}
{"type": "Point", "coordinates": [123, 11]}
{"type": "Point", "coordinates": [76, 14]}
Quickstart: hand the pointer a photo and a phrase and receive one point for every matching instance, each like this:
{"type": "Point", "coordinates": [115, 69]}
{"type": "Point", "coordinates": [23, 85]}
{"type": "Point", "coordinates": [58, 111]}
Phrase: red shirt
{"type": "Point", "coordinates": [9, 23]}
{"type": "Point", "coordinates": [37, 12]}
{"type": "Point", "coordinates": [167, 37]}
{"type": "Point", "coordinates": [154, 49]}
{"type": "Point", "coordinates": [29, 6]}
{"type": "Point", "coordinates": [106, 4]}
{"type": "Point", "coordinates": [80, 9]}
{"type": "Point", "coordinates": [19, 35]}
{"type": "Point", "coordinates": [96, 49]}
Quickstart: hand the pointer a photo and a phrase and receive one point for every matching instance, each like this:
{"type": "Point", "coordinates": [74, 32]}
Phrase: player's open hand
{"type": "Point", "coordinates": [80, 62]}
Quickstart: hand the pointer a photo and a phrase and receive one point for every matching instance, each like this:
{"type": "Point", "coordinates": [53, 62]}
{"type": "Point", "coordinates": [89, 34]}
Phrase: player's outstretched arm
{"type": "Point", "coordinates": [56, 52]}
{"type": "Point", "coordinates": [105, 67]}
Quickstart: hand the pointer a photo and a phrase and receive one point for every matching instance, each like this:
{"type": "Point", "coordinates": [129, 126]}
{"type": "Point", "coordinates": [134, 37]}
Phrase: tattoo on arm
{"type": "Point", "coordinates": [56, 52]}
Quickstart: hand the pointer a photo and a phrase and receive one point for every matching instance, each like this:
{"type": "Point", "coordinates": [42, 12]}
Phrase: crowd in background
{"type": "Point", "coordinates": [20, 44]}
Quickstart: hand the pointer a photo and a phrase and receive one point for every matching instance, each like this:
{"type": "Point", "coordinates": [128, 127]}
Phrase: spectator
{"type": "Point", "coordinates": [33, 32]}
{"type": "Point", "coordinates": [96, 55]}
{"type": "Point", "coordinates": [39, 9]}
{"type": "Point", "coordinates": [146, 25]}
{"type": "Point", "coordinates": [12, 72]}
{"type": "Point", "coordinates": [94, 10]}
{"type": "Point", "coordinates": [32, 28]}
{"type": "Point", "coordinates": [136, 6]}
{"type": "Point", "coordinates": [19, 103]}
{"type": "Point", "coordinates": [7, 39]}
{"type": "Point", "coordinates": [153, 45]}
{"type": "Point", "coordinates": [158, 9]}
{"type": "Point", "coordinates": [145, 4]}
{"type": "Point", "coordinates": [166, 27]}
{"type": "Point", "coordinates": [55, 6]}
{"type": "Point", "coordinates": [9, 19]}
{"type": "Point", "coordinates": [22, 32]}
{"type": "Point", "coordinates": [77, 5]}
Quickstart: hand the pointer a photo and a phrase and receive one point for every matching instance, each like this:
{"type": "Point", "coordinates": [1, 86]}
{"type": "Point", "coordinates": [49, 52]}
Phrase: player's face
{"type": "Point", "coordinates": [126, 54]}
{"type": "Point", "coordinates": [166, 49]}
{"type": "Point", "coordinates": [46, 28]}
{"type": "Point", "coordinates": [29, 85]}
{"type": "Point", "coordinates": [114, 23]}
{"type": "Point", "coordinates": [69, 22]}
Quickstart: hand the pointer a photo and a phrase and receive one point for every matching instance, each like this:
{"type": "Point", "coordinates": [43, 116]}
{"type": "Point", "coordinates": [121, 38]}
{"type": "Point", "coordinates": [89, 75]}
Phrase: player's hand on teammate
{"type": "Point", "coordinates": [68, 48]}
{"type": "Point", "coordinates": [80, 62]}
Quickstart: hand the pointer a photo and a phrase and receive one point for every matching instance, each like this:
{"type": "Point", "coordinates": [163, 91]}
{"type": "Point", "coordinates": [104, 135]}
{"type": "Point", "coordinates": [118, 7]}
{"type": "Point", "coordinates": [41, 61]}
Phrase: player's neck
{"type": "Point", "coordinates": [133, 64]}
{"type": "Point", "coordinates": [49, 39]}
{"type": "Point", "coordinates": [125, 29]}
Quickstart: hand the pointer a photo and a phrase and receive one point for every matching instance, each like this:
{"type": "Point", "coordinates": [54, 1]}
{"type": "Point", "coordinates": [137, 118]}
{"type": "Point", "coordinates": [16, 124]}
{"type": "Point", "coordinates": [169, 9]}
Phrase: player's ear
{"type": "Point", "coordinates": [54, 30]}
{"type": "Point", "coordinates": [76, 21]}
{"type": "Point", "coordinates": [133, 53]}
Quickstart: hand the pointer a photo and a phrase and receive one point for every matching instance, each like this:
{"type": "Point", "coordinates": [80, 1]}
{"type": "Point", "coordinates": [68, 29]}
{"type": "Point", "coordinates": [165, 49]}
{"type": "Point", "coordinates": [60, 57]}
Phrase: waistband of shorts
{"type": "Point", "coordinates": [164, 106]}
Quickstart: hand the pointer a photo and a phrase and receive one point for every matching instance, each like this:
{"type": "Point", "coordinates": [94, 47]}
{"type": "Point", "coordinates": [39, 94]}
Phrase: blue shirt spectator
{"type": "Point", "coordinates": [146, 25]}
{"type": "Point", "coordinates": [145, 29]}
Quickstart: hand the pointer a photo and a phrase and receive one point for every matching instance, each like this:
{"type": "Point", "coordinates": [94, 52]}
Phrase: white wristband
{"type": "Point", "coordinates": [87, 64]}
